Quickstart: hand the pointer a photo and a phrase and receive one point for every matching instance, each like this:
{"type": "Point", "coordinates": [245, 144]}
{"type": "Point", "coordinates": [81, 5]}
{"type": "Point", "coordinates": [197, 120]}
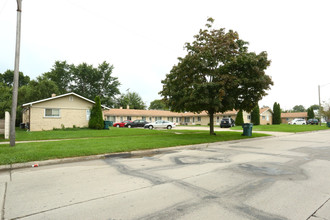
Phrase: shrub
{"type": "Point", "coordinates": [96, 118]}
{"type": "Point", "coordinates": [239, 118]}
{"type": "Point", "coordinates": [255, 116]}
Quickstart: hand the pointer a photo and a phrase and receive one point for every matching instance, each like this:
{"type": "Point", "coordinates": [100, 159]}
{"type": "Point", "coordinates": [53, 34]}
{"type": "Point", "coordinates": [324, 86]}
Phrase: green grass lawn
{"type": "Point", "coordinates": [284, 128]}
{"type": "Point", "coordinates": [102, 142]}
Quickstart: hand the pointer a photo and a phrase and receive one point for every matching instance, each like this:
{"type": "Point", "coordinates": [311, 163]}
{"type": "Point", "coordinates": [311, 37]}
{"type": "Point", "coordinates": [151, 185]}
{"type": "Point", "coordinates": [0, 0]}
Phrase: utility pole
{"type": "Point", "coordinates": [320, 107]}
{"type": "Point", "coordinates": [16, 74]}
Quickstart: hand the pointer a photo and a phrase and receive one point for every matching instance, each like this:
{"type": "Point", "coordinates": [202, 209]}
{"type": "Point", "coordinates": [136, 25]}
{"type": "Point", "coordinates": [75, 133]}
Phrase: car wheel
{"type": "Point", "coordinates": [117, 126]}
{"type": "Point", "coordinates": [129, 126]}
{"type": "Point", "coordinates": [169, 127]}
{"type": "Point", "coordinates": [151, 127]}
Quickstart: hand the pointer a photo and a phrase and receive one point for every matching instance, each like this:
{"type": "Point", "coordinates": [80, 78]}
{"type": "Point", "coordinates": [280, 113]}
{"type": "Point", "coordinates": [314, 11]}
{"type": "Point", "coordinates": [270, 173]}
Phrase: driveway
{"type": "Point", "coordinates": [284, 177]}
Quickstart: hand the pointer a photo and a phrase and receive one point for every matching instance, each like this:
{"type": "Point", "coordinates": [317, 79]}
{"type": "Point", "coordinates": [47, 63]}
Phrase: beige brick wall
{"type": "Point", "coordinates": [72, 113]}
{"type": "Point", "coordinates": [266, 118]}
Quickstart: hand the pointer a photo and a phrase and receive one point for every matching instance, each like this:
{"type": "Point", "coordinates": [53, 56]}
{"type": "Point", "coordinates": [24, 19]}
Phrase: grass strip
{"type": "Point", "coordinates": [37, 151]}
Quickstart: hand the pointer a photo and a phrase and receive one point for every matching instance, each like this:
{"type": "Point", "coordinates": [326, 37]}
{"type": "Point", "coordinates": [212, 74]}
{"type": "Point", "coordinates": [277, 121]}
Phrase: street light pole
{"type": "Point", "coordinates": [16, 75]}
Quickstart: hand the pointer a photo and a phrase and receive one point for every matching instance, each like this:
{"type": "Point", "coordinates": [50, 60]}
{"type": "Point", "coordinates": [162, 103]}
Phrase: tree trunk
{"type": "Point", "coordinates": [211, 115]}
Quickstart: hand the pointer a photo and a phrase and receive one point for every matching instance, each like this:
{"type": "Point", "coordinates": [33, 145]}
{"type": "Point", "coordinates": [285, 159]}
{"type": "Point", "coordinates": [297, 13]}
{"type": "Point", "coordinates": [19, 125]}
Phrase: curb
{"type": "Point", "coordinates": [131, 154]}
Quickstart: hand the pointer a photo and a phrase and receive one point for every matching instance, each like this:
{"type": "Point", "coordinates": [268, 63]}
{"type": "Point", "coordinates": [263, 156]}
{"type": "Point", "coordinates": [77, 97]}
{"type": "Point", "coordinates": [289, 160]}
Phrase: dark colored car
{"type": "Point", "coordinates": [136, 123]}
{"type": "Point", "coordinates": [313, 122]}
{"type": "Point", "coordinates": [121, 124]}
{"type": "Point", "coordinates": [227, 123]}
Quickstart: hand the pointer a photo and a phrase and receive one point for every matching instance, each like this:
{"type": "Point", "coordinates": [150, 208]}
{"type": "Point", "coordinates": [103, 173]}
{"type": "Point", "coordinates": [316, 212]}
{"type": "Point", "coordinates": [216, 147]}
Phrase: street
{"type": "Point", "coordinates": [282, 177]}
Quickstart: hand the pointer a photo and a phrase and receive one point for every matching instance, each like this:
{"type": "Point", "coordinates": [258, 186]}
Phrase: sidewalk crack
{"type": "Point", "coordinates": [313, 215]}
{"type": "Point", "coordinates": [3, 204]}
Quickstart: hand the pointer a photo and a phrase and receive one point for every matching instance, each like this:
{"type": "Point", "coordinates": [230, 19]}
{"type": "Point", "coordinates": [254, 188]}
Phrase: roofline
{"type": "Point", "coordinates": [60, 96]}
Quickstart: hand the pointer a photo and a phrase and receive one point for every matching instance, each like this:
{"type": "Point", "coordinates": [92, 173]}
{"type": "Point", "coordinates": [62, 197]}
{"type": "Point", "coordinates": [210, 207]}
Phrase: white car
{"type": "Point", "coordinates": [297, 121]}
{"type": "Point", "coordinates": [160, 124]}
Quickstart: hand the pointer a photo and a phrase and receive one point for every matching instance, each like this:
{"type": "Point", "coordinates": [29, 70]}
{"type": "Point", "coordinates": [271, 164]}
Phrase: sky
{"type": "Point", "coordinates": [143, 39]}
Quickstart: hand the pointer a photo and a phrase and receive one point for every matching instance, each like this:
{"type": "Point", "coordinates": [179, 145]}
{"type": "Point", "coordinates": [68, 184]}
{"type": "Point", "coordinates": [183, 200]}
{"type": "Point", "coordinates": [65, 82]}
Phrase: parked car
{"type": "Point", "coordinates": [312, 121]}
{"type": "Point", "coordinates": [121, 124]}
{"type": "Point", "coordinates": [160, 124]}
{"type": "Point", "coordinates": [136, 123]}
{"type": "Point", "coordinates": [297, 121]}
{"type": "Point", "coordinates": [227, 123]}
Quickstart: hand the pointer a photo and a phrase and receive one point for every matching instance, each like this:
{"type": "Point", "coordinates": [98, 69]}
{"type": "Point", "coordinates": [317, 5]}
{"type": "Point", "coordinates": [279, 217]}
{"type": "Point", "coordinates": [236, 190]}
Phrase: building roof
{"type": "Point", "coordinates": [60, 96]}
{"type": "Point", "coordinates": [158, 113]}
{"type": "Point", "coordinates": [294, 115]}
{"type": "Point", "coordinates": [263, 110]}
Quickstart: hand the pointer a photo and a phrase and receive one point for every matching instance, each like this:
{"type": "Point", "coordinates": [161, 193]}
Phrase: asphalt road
{"type": "Point", "coordinates": [283, 177]}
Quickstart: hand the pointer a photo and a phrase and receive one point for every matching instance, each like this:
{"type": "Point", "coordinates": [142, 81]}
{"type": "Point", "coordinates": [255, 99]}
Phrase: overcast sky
{"type": "Point", "coordinates": [142, 39]}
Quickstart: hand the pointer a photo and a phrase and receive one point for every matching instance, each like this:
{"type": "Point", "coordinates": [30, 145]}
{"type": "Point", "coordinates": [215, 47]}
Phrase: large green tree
{"type": "Point", "coordinates": [86, 80]}
{"type": "Point", "coordinates": [315, 107]}
{"type": "Point", "coordinates": [255, 115]}
{"type": "Point", "coordinates": [131, 99]}
{"type": "Point", "coordinates": [276, 114]}
{"type": "Point", "coordinates": [158, 104]}
{"type": "Point", "coordinates": [298, 108]}
{"type": "Point", "coordinates": [61, 74]}
{"type": "Point", "coordinates": [7, 78]}
{"type": "Point", "coordinates": [217, 74]}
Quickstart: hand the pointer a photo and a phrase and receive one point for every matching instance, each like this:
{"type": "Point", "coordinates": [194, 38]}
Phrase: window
{"type": "Point", "coordinates": [177, 120]}
{"type": "Point", "coordinates": [198, 118]}
{"type": "Point", "coordinates": [263, 117]}
{"type": "Point", "coordinates": [52, 112]}
{"type": "Point", "coordinates": [158, 118]}
{"type": "Point", "coordinates": [249, 117]}
{"type": "Point", "coordinates": [193, 119]}
{"type": "Point", "coordinates": [144, 118]}
{"type": "Point", "coordinates": [150, 119]}
{"type": "Point", "coordinates": [88, 114]}
{"type": "Point", "coordinates": [129, 118]}
{"type": "Point", "coordinates": [170, 119]}
{"type": "Point", "coordinates": [218, 119]}
{"type": "Point", "coordinates": [111, 118]}
{"type": "Point", "coordinates": [186, 119]}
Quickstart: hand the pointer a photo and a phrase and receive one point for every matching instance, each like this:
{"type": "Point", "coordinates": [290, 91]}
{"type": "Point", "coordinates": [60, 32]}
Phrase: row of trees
{"type": "Point", "coordinates": [82, 79]}
{"type": "Point", "coordinates": [301, 108]}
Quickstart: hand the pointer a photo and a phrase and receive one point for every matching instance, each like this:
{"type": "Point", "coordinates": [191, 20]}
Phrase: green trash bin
{"type": "Point", "coordinates": [247, 129]}
{"type": "Point", "coordinates": [328, 124]}
{"type": "Point", "coordinates": [107, 124]}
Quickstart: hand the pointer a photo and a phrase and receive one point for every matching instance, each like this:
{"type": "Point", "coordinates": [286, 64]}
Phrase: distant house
{"type": "Point", "coordinates": [67, 110]}
{"type": "Point", "coordinates": [186, 118]}
{"type": "Point", "coordinates": [289, 116]}
{"type": "Point", "coordinates": [266, 116]}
